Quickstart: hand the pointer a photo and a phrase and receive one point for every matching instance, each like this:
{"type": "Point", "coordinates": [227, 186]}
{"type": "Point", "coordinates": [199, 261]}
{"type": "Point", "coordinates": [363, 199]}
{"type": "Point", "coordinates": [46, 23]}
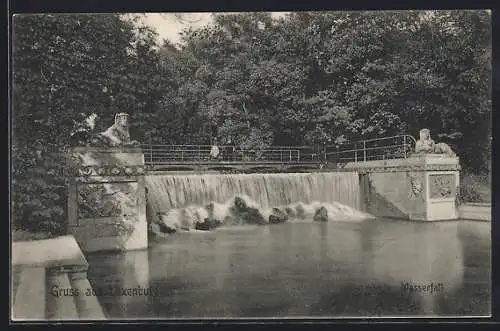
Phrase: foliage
{"type": "Point", "coordinates": [475, 188]}
{"type": "Point", "coordinates": [22, 235]}
{"type": "Point", "coordinates": [67, 67]}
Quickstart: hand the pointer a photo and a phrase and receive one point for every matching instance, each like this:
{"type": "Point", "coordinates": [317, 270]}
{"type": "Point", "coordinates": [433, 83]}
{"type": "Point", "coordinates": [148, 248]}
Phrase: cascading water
{"type": "Point", "coordinates": [184, 198]}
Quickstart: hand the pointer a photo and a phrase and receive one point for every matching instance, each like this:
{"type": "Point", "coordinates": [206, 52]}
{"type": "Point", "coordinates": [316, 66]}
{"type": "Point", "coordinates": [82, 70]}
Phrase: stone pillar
{"type": "Point", "coordinates": [439, 178]}
{"type": "Point", "coordinates": [60, 296]}
{"type": "Point", "coordinates": [88, 306]}
{"type": "Point", "coordinates": [107, 201]}
{"type": "Point", "coordinates": [422, 187]}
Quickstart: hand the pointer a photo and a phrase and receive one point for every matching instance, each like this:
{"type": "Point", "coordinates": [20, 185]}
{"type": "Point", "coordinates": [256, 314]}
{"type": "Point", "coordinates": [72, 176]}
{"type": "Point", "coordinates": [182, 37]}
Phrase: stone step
{"type": "Point", "coordinates": [29, 298]}
{"type": "Point", "coordinates": [50, 281]}
{"type": "Point", "coordinates": [88, 307]}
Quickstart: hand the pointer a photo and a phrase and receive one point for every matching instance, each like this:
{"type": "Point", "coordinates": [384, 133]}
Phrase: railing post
{"type": "Point", "coordinates": [404, 145]}
{"type": "Point", "coordinates": [290, 155]}
{"type": "Point", "coordinates": [364, 150]}
{"type": "Point", "coordinates": [151, 154]}
{"type": "Point", "coordinates": [281, 153]}
{"type": "Point", "coordinates": [150, 150]}
{"type": "Point", "coordinates": [182, 155]}
{"type": "Point", "coordinates": [355, 152]}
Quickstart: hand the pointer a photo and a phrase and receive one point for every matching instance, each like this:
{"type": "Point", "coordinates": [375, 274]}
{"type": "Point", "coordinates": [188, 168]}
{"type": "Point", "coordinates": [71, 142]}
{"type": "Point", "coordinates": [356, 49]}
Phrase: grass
{"type": "Point", "coordinates": [475, 188]}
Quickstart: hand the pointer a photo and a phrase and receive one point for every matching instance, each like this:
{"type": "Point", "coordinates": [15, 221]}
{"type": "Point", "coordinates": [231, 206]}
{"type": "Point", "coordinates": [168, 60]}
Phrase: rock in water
{"type": "Point", "coordinates": [277, 216]}
{"type": "Point", "coordinates": [321, 215]}
{"type": "Point", "coordinates": [253, 216]}
{"type": "Point", "coordinates": [166, 229]}
{"type": "Point", "coordinates": [240, 204]}
{"type": "Point", "coordinates": [207, 224]}
{"type": "Point", "coordinates": [249, 215]}
{"type": "Point", "coordinates": [164, 226]}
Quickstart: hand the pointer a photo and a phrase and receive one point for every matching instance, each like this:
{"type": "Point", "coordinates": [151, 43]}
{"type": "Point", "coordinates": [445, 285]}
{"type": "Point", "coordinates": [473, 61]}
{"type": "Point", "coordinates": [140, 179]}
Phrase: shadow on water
{"type": "Point", "coordinates": [305, 269]}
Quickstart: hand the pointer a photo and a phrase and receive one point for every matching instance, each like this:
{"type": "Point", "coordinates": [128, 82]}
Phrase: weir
{"type": "Point", "coordinates": [167, 192]}
{"type": "Point", "coordinates": [181, 202]}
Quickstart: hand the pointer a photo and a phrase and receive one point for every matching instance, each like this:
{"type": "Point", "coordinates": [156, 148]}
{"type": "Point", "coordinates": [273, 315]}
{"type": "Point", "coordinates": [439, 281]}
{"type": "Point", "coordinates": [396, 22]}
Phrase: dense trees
{"type": "Point", "coordinates": [315, 77]}
{"type": "Point", "coordinates": [307, 78]}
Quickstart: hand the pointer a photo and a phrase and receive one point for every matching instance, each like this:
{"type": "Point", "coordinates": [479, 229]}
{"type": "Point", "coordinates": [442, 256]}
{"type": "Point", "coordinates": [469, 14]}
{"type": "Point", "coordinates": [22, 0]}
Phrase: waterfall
{"type": "Point", "coordinates": [178, 194]}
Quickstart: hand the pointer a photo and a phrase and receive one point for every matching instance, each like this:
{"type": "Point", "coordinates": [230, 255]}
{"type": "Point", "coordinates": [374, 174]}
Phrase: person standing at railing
{"type": "Point", "coordinates": [214, 151]}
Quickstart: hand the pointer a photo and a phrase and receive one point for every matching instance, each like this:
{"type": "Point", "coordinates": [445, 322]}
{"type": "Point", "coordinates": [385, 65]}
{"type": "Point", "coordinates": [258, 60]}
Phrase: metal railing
{"type": "Point", "coordinates": [394, 147]}
{"type": "Point", "coordinates": [364, 150]}
{"type": "Point", "coordinates": [167, 154]}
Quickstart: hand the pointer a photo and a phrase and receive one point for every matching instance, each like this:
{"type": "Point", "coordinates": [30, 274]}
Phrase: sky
{"type": "Point", "coordinates": [169, 27]}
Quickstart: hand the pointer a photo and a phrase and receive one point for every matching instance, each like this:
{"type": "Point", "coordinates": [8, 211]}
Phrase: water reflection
{"type": "Point", "coordinates": [307, 269]}
{"type": "Point", "coordinates": [419, 255]}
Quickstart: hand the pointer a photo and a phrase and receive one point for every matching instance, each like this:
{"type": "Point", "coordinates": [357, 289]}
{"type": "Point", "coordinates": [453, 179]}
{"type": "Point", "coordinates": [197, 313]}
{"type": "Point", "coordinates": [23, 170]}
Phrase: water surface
{"type": "Point", "coordinates": [304, 269]}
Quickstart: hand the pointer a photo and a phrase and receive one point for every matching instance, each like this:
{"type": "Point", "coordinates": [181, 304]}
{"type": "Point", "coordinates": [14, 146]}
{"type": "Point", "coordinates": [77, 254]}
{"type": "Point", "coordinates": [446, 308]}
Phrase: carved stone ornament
{"type": "Point", "coordinates": [442, 186]}
{"type": "Point", "coordinates": [106, 199]}
{"type": "Point", "coordinates": [127, 171]}
{"type": "Point", "coordinates": [416, 188]}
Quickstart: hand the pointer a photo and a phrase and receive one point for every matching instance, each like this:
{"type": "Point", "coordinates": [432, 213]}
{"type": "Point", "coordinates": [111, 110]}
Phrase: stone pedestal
{"type": "Point", "coordinates": [107, 200]}
{"type": "Point", "coordinates": [422, 187]}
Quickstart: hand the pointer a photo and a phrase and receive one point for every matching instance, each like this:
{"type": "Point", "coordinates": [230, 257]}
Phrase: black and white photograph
{"type": "Point", "coordinates": [250, 165]}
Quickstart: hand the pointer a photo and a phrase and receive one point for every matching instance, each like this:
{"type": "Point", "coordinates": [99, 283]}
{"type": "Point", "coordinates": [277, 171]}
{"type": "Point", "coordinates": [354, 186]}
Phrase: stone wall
{"type": "Point", "coordinates": [475, 211]}
{"type": "Point", "coordinates": [107, 200]}
{"type": "Point", "coordinates": [421, 187]}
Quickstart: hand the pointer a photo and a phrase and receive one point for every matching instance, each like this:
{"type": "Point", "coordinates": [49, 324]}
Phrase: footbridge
{"type": "Point", "coordinates": [231, 158]}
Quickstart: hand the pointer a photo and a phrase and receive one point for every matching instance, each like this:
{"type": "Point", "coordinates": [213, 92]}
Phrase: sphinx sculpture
{"type": "Point", "coordinates": [117, 134]}
{"type": "Point", "coordinates": [426, 145]}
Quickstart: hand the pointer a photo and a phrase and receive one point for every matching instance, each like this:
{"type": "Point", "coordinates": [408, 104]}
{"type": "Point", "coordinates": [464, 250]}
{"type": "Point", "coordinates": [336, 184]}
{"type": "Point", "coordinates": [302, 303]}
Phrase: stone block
{"type": "Point", "coordinates": [107, 199]}
{"type": "Point", "coordinates": [422, 187]}
{"type": "Point", "coordinates": [29, 299]}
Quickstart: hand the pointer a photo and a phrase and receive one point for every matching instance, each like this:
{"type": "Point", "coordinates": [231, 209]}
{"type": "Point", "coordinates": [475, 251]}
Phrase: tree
{"type": "Point", "coordinates": [65, 68]}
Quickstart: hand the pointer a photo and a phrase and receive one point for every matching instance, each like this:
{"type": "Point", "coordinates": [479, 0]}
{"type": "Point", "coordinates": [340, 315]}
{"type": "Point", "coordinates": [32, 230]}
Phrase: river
{"type": "Point", "coordinates": [303, 269]}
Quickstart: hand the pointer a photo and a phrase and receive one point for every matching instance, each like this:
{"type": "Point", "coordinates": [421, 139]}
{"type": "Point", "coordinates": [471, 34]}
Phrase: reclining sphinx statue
{"type": "Point", "coordinates": [117, 134]}
{"type": "Point", "coordinates": [426, 145]}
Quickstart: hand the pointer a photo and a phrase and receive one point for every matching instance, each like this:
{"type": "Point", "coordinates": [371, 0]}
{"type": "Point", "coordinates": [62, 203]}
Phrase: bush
{"type": "Point", "coordinates": [22, 235]}
{"type": "Point", "coordinates": [475, 188]}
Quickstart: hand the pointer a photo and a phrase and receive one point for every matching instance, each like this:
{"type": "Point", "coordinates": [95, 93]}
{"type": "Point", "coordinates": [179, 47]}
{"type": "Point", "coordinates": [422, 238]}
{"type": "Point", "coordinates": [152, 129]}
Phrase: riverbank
{"type": "Point", "coordinates": [475, 211]}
